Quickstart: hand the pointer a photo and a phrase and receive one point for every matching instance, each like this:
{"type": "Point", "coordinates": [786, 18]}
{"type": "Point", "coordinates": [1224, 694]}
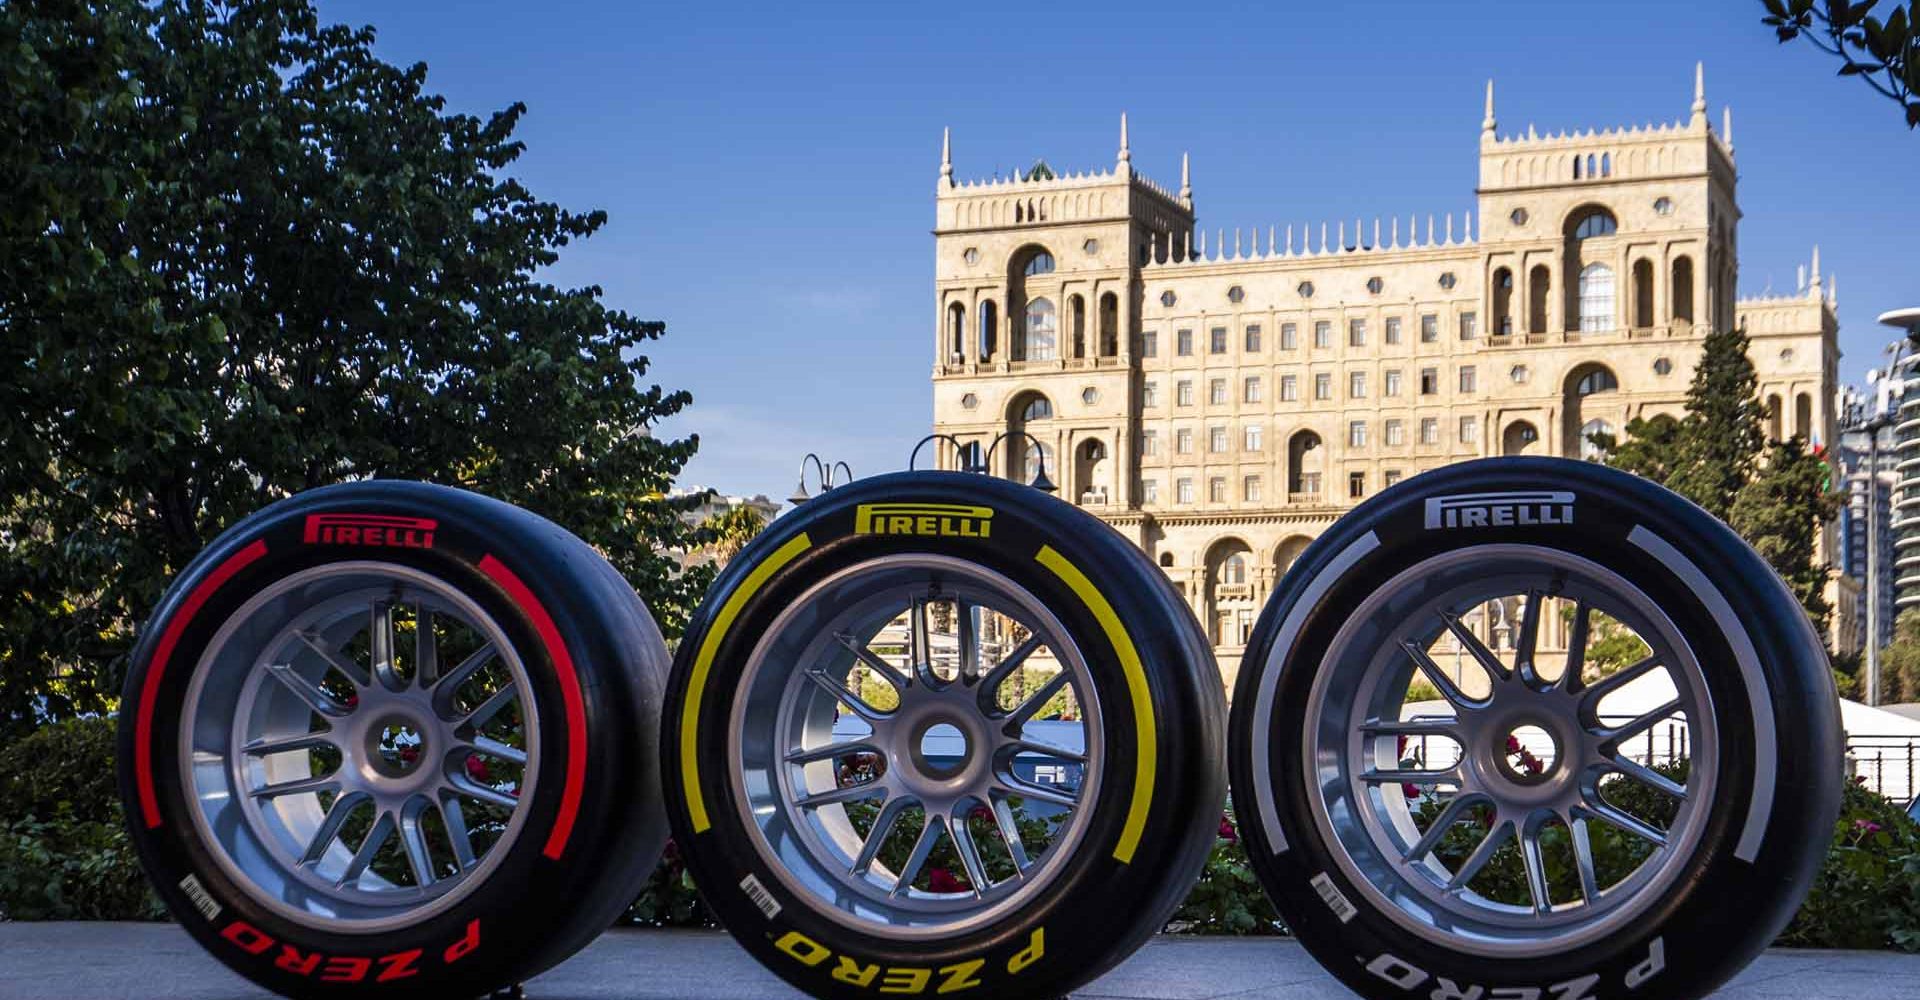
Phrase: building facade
{"type": "Point", "coordinates": [1222, 401]}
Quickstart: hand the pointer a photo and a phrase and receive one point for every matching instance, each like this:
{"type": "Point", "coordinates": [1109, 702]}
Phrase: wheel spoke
{"type": "Point", "coordinates": [1449, 817]}
{"type": "Point", "coordinates": [447, 685]}
{"type": "Point", "coordinates": [1026, 744]}
{"type": "Point", "coordinates": [1608, 813]}
{"type": "Point", "coordinates": [267, 746]}
{"type": "Point", "coordinates": [883, 824]}
{"type": "Point", "coordinates": [328, 831]}
{"type": "Point", "coordinates": [990, 684]}
{"type": "Point", "coordinates": [1583, 860]}
{"type": "Point", "coordinates": [380, 641]}
{"type": "Point", "coordinates": [1439, 679]}
{"type": "Point", "coordinates": [963, 845]}
{"type": "Point", "coordinates": [1597, 692]}
{"type": "Point", "coordinates": [1647, 776]}
{"type": "Point", "coordinates": [1447, 726]}
{"type": "Point", "coordinates": [1015, 786]}
{"type": "Point", "coordinates": [1399, 776]}
{"type": "Point", "coordinates": [1010, 833]}
{"type": "Point", "coordinates": [499, 751]}
{"type": "Point", "coordinates": [413, 839]}
{"type": "Point", "coordinates": [1528, 642]}
{"type": "Point", "coordinates": [1534, 859]}
{"type": "Point", "coordinates": [456, 822]}
{"type": "Point", "coordinates": [873, 661]}
{"type": "Point", "coordinates": [969, 639]}
{"type": "Point", "coordinates": [1620, 734]}
{"type": "Point", "coordinates": [830, 751]}
{"type": "Point", "coordinates": [922, 849]}
{"type": "Point", "coordinates": [507, 695]}
{"type": "Point", "coordinates": [298, 786]}
{"type": "Point", "coordinates": [309, 691]}
{"type": "Point", "coordinates": [383, 826]}
{"type": "Point", "coordinates": [1577, 647]}
{"type": "Point", "coordinates": [351, 670]}
{"type": "Point", "coordinates": [426, 647]}
{"type": "Point", "coordinates": [835, 687]}
{"type": "Point", "coordinates": [841, 796]}
{"type": "Point", "coordinates": [1038, 700]}
{"type": "Point", "coordinates": [1495, 839]}
{"type": "Point", "coordinates": [1488, 660]}
{"type": "Point", "coordinates": [472, 789]}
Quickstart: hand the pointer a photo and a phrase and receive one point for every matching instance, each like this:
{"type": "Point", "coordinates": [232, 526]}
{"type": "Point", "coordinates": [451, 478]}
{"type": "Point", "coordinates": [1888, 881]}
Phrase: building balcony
{"type": "Point", "coordinates": [1304, 498]}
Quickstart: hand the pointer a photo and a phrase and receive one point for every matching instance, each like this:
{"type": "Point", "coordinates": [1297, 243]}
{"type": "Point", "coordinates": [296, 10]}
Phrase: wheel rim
{"type": "Point", "coordinates": [360, 743]}
{"type": "Point", "coordinates": [1518, 816]}
{"type": "Point", "coordinates": [963, 669]}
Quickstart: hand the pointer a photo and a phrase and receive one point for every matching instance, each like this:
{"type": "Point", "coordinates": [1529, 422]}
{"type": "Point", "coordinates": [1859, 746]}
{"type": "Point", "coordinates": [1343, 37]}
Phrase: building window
{"type": "Point", "coordinates": [1217, 489]}
{"type": "Point", "coordinates": [971, 256]}
{"type": "Point", "coordinates": [1089, 395]}
{"type": "Point", "coordinates": [1597, 380]}
{"type": "Point", "coordinates": [1167, 298]}
{"type": "Point", "coordinates": [1236, 295]}
{"type": "Point", "coordinates": [1429, 381]}
{"type": "Point", "coordinates": [1356, 385]}
{"type": "Point", "coordinates": [1469, 430]}
{"type": "Point", "coordinates": [1393, 329]}
{"type": "Point", "coordinates": [1429, 430]}
{"type": "Point", "coordinates": [1663, 205]}
{"type": "Point", "coordinates": [1040, 263]}
{"type": "Point", "coordinates": [1289, 336]}
{"type": "Point", "coordinates": [969, 401]}
{"type": "Point", "coordinates": [1252, 338]}
{"type": "Point", "coordinates": [1042, 331]}
{"type": "Point", "coordinates": [1469, 326]}
{"type": "Point", "coordinates": [1183, 392]}
{"type": "Point", "coordinates": [1518, 217]}
{"type": "Point", "coordinates": [1596, 222]}
{"type": "Point", "coordinates": [1322, 385]}
{"type": "Point", "coordinates": [1396, 432]}
{"type": "Point", "coordinates": [1519, 374]}
{"type": "Point", "coordinates": [1305, 289]}
{"type": "Point", "coordinates": [1447, 280]}
{"type": "Point", "coordinates": [1289, 388]}
{"type": "Point", "coordinates": [1217, 440]}
{"type": "Point", "coordinates": [1429, 328]}
{"type": "Point", "coordinates": [1150, 344]}
{"type": "Point", "coordinates": [1040, 408]}
{"type": "Point", "coordinates": [1250, 438]}
{"type": "Point", "coordinates": [1183, 441]}
{"type": "Point", "coordinates": [1183, 490]}
{"type": "Point", "coordinates": [1596, 298]}
{"type": "Point", "coordinates": [1250, 389]}
{"type": "Point", "coordinates": [1149, 394]}
{"type": "Point", "coordinates": [1392, 387]}
{"type": "Point", "coordinates": [1217, 340]}
{"type": "Point", "coordinates": [1250, 489]}
{"type": "Point", "coordinates": [1469, 378]}
{"type": "Point", "coordinates": [1662, 366]}
{"type": "Point", "coordinates": [1323, 333]}
{"type": "Point", "coordinates": [1149, 442]}
{"type": "Point", "coordinates": [1183, 343]}
{"type": "Point", "coordinates": [1217, 392]}
{"type": "Point", "coordinates": [1356, 333]}
{"type": "Point", "coordinates": [1392, 477]}
{"type": "Point", "coordinates": [1150, 491]}
{"type": "Point", "coordinates": [1356, 485]}
{"type": "Point", "coordinates": [1356, 434]}
{"type": "Point", "coordinates": [1374, 285]}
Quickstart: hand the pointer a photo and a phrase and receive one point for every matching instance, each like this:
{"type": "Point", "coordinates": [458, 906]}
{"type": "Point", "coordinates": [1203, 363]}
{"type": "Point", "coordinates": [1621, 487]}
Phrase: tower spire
{"type": "Point", "coordinates": [1186, 178]}
{"type": "Point", "coordinates": [946, 154]}
{"type": "Point", "coordinates": [1126, 151]}
{"type": "Point", "coordinates": [1488, 123]}
{"type": "Point", "coordinates": [1700, 92]}
{"type": "Point", "coordinates": [1726, 125]}
{"type": "Point", "coordinates": [1813, 281]}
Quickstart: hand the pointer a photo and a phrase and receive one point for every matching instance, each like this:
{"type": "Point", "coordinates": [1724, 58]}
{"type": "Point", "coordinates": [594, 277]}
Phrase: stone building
{"type": "Point", "coordinates": [1222, 400]}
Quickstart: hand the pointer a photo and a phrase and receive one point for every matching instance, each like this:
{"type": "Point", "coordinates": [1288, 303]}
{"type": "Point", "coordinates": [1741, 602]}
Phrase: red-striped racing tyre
{"type": "Point", "coordinates": [388, 738]}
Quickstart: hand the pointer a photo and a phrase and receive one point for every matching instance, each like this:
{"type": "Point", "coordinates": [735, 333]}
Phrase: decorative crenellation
{"type": "Point", "coordinates": [1334, 239]}
{"type": "Point", "coordinates": [1653, 149]}
{"type": "Point", "coordinates": [1808, 286]}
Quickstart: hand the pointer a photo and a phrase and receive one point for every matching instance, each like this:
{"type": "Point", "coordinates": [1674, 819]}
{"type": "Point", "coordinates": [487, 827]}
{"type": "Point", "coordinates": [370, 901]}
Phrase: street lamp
{"type": "Point", "coordinates": [822, 475]}
{"type": "Point", "coordinates": [959, 450]}
{"type": "Point", "coordinates": [1040, 480]}
{"type": "Point", "coordinates": [1876, 413]}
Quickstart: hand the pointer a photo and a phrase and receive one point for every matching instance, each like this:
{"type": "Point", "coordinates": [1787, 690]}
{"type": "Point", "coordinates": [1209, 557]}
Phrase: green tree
{"type": "Point", "coordinates": [240, 256]}
{"type": "Point", "coordinates": [1649, 449]}
{"type": "Point", "coordinates": [1722, 434]}
{"type": "Point", "coordinates": [730, 531]}
{"type": "Point", "coordinates": [1885, 52]}
{"type": "Point", "coordinates": [1900, 661]}
{"type": "Point", "coordinates": [1779, 512]}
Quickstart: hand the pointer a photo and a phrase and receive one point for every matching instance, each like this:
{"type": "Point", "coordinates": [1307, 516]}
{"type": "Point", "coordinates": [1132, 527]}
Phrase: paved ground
{"type": "Point", "coordinates": [158, 962]}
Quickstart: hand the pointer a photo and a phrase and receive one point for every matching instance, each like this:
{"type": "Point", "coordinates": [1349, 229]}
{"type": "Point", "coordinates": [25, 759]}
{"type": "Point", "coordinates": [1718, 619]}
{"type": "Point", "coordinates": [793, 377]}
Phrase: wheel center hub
{"type": "Point", "coordinates": [1527, 754]}
{"type": "Point", "coordinates": [396, 746]}
{"type": "Point", "coordinates": [939, 747]}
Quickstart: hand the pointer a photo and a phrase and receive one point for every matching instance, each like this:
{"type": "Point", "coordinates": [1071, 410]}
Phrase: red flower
{"type": "Point", "coordinates": [477, 770]}
{"type": "Point", "coordinates": [1227, 832]}
{"type": "Point", "coordinates": [942, 880]}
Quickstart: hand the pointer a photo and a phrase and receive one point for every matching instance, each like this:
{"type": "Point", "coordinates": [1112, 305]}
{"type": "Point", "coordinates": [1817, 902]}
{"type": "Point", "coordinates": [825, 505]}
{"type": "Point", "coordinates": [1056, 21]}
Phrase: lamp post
{"type": "Point", "coordinates": [959, 451]}
{"type": "Point", "coordinates": [1875, 415]}
{"type": "Point", "coordinates": [823, 473]}
{"type": "Point", "coordinates": [1040, 480]}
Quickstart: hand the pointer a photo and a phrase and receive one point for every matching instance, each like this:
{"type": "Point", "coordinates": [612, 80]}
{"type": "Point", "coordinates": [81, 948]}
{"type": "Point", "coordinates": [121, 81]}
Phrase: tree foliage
{"type": "Point", "coordinates": [1779, 512]}
{"type": "Point", "coordinates": [1722, 435]}
{"type": "Point", "coordinates": [244, 257]}
{"type": "Point", "coordinates": [1885, 52]}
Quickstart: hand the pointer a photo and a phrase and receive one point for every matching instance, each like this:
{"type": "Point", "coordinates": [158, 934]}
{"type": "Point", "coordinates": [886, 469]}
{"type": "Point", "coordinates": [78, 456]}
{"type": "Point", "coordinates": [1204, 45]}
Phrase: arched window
{"type": "Point", "coordinates": [1519, 438]}
{"type": "Point", "coordinates": [1596, 298]}
{"type": "Point", "coordinates": [1037, 408]}
{"type": "Point", "coordinates": [1077, 324]}
{"type": "Point", "coordinates": [1589, 448]}
{"type": "Point", "coordinates": [1166, 560]}
{"type": "Point", "coordinates": [1304, 459]}
{"type": "Point", "coordinates": [1606, 164]}
{"type": "Point", "coordinates": [970, 457]}
{"type": "Point", "coordinates": [1039, 263]}
{"type": "Point", "coordinates": [1234, 569]}
{"type": "Point", "coordinates": [989, 330]}
{"type": "Point", "coordinates": [1593, 222]}
{"type": "Point", "coordinates": [1773, 417]}
{"type": "Point", "coordinates": [1539, 290]}
{"type": "Point", "coordinates": [1803, 417]}
{"type": "Point", "coordinates": [1109, 325]}
{"type": "Point", "coordinates": [1643, 293]}
{"type": "Point", "coordinates": [1502, 302]}
{"type": "Point", "coordinates": [1682, 291]}
{"type": "Point", "coordinates": [1043, 334]}
{"type": "Point", "coordinates": [1034, 458]}
{"type": "Point", "coordinates": [956, 331]}
{"type": "Point", "coordinates": [1596, 379]}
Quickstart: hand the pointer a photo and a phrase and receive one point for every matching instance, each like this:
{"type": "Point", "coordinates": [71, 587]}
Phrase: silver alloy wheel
{"type": "Point", "coordinates": [1369, 803]}
{"type": "Point", "coordinates": [823, 794]}
{"type": "Point", "coordinates": [349, 779]}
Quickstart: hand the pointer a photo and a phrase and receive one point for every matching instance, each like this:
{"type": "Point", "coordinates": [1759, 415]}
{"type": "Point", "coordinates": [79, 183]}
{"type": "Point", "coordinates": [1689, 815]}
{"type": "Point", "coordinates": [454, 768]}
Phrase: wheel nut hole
{"type": "Point", "coordinates": [1527, 754]}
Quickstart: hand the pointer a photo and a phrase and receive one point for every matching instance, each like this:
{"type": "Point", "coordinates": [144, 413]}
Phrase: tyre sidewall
{"type": "Point", "coordinates": [1685, 944]}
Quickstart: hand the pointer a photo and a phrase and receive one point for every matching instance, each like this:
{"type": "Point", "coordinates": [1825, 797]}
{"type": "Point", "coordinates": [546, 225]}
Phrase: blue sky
{"type": "Point", "coordinates": [769, 168]}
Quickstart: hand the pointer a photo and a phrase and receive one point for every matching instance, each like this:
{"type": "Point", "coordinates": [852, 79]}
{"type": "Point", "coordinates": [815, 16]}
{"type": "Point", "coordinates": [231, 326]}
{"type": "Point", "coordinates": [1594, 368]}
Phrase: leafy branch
{"type": "Point", "coordinates": [1884, 53]}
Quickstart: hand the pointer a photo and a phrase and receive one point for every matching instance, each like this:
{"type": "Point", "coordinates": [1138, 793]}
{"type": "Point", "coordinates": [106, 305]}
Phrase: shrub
{"type": "Point", "coordinates": [64, 853]}
{"type": "Point", "coordinates": [65, 769]}
{"type": "Point", "coordinates": [1867, 893]}
{"type": "Point", "coordinates": [1228, 898]}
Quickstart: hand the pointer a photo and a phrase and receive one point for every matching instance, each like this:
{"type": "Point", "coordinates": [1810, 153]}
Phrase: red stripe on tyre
{"type": "Point", "coordinates": [569, 692]}
{"type": "Point", "coordinates": [162, 652]}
